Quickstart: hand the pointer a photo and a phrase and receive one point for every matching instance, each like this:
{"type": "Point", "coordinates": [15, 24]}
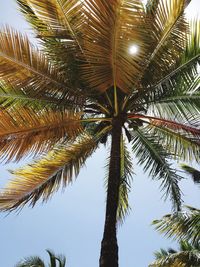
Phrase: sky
{"type": "Point", "coordinates": [72, 221]}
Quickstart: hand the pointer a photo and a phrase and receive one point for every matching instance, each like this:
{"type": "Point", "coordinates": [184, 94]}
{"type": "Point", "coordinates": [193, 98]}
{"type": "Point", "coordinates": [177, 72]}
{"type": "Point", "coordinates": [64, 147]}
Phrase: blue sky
{"type": "Point", "coordinates": [72, 221]}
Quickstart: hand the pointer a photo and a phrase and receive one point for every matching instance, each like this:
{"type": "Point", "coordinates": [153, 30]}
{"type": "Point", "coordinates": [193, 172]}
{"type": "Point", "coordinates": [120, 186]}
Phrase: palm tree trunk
{"type": "Point", "coordinates": [109, 247]}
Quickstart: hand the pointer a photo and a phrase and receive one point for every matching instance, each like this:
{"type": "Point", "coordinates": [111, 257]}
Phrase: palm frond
{"type": "Point", "coordinates": [192, 51]}
{"type": "Point", "coordinates": [188, 255]}
{"type": "Point", "coordinates": [169, 37]}
{"type": "Point", "coordinates": [54, 259]}
{"type": "Point", "coordinates": [16, 97]}
{"type": "Point", "coordinates": [179, 259]}
{"type": "Point", "coordinates": [60, 16]}
{"type": "Point", "coordinates": [128, 31]}
{"type": "Point", "coordinates": [112, 28]}
{"type": "Point", "coordinates": [192, 171]}
{"type": "Point", "coordinates": [30, 262]}
{"type": "Point", "coordinates": [125, 183]}
{"type": "Point", "coordinates": [177, 144]}
{"type": "Point", "coordinates": [27, 131]}
{"type": "Point", "coordinates": [44, 176]}
{"type": "Point", "coordinates": [61, 44]}
{"type": "Point", "coordinates": [168, 123]}
{"type": "Point", "coordinates": [25, 67]}
{"type": "Point", "coordinates": [188, 62]}
{"type": "Point", "coordinates": [153, 157]}
{"type": "Point", "coordinates": [180, 98]}
{"type": "Point", "coordinates": [151, 7]}
{"type": "Point", "coordinates": [35, 261]}
{"type": "Point", "coordinates": [184, 225]}
{"type": "Point", "coordinates": [58, 45]}
{"type": "Point", "coordinates": [177, 91]}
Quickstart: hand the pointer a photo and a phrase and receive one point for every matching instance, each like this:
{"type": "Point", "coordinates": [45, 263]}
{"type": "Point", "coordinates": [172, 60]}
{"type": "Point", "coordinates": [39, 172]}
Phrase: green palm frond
{"type": "Point", "coordinates": [54, 259]}
{"type": "Point", "coordinates": [182, 99]}
{"type": "Point", "coordinates": [27, 131]}
{"type": "Point", "coordinates": [35, 261]}
{"type": "Point", "coordinates": [32, 261]}
{"type": "Point", "coordinates": [154, 158]}
{"type": "Point", "coordinates": [179, 259]}
{"type": "Point", "coordinates": [187, 64]}
{"type": "Point", "coordinates": [184, 225]}
{"type": "Point", "coordinates": [181, 75]}
{"type": "Point", "coordinates": [178, 145]}
{"type": "Point", "coordinates": [125, 185]}
{"type": "Point", "coordinates": [192, 51]}
{"type": "Point", "coordinates": [10, 96]}
{"type": "Point", "coordinates": [189, 255]}
{"type": "Point", "coordinates": [178, 92]}
{"type": "Point", "coordinates": [43, 177]}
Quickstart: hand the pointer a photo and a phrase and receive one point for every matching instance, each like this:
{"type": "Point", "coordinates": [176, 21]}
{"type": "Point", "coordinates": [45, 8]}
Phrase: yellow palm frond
{"type": "Point", "coordinates": [27, 68]}
{"type": "Point", "coordinates": [128, 34]}
{"type": "Point", "coordinates": [111, 28]}
{"type": "Point", "coordinates": [43, 177]}
{"type": "Point", "coordinates": [24, 131]}
{"type": "Point", "coordinates": [168, 29]}
{"type": "Point", "coordinates": [63, 18]}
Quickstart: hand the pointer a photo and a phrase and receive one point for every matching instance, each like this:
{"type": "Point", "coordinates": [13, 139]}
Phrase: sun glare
{"type": "Point", "coordinates": [133, 49]}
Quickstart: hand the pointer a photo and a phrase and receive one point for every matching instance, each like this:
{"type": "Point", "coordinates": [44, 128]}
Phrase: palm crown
{"type": "Point", "coordinates": [85, 87]}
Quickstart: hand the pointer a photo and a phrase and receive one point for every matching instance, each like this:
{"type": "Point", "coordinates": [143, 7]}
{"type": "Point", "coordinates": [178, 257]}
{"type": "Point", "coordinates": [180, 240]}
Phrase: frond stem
{"type": "Point", "coordinates": [166, 122]}
{"type": "Point", "coordinates": [95, 119]}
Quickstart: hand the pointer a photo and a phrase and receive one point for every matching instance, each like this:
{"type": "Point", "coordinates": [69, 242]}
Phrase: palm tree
{"type": "Point", "coordinates": [187, 255]}
{"type": "Point", "coordinates": [108, 72]}
{"type": "Point", "coordinates": [35, 261]}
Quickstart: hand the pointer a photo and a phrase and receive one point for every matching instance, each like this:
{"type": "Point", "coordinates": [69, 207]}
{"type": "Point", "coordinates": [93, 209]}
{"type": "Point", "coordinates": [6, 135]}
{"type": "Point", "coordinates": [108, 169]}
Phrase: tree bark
{"type": "Point", "coordinates": [109, 246]}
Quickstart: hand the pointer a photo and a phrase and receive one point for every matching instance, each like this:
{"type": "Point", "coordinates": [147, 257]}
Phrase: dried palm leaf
{"type": "Point", "coordinates": [112, 27]}
{"type": "Point", "coordinates": [25, 131]}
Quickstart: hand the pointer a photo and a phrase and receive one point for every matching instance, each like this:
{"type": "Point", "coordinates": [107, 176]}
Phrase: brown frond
{"type": "Point", "coordinates": [171, 124]}
{"type": "Point", "coordinates": [43, 177]}
{"type": "Point", "coordinates": [111, 28]}
{"type": "Point", "coordinates": [27, 68]}
{"type": "Point", "coordinates": [26, 131]}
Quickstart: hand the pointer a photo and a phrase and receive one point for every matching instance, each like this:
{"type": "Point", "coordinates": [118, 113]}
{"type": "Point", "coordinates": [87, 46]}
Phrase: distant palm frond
{"type": "Point", "coordinates": [184, 225]}
{"type": "Point", "coordinates": [35, 261]}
